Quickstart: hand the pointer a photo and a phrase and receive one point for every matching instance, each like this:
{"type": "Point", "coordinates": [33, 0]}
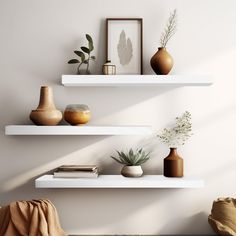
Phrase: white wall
{"type": "Point", "coordinates": [38, 37]}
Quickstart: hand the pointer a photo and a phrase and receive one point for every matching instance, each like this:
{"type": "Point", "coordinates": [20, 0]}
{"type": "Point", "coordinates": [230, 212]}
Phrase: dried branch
{"type": "Point", "coordinates": [170, 29]}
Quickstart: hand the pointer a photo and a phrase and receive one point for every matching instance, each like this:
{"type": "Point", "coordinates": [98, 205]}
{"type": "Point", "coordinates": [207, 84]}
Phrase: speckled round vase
{"type": "Point", "coordinates": [173, 164]}
{"type": "Point", "coordinates": [46, 112]}
{"type": "Point", "coordinates": [77, 114]}
{"type": "Point", "coordinates": [162, 62]}
{"type": "Point", "coordinates": [132, 171]}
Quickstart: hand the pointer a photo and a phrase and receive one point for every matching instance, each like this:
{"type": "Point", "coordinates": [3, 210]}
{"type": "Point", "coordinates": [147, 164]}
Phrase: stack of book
{"type": "Point", "coordinates": [76, 171]}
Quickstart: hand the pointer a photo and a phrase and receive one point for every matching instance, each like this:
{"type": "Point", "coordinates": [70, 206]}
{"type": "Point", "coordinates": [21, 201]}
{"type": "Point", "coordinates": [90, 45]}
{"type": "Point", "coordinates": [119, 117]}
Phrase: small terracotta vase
{"type": "Point", "coordinates": [162, 62]}
{"type": "Point", "coordinates": [77, 114]}
{"type": "Point", "coordinates": [46, 112]}
{"type": "Point", "coordinates": [173, 164]}
{"type": "Point", "coordinates": [132, 171]}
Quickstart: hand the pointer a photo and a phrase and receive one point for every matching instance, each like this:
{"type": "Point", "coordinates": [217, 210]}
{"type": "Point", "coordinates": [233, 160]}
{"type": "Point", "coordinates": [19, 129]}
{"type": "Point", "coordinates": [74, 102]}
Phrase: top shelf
{"type": "Point", "coordinates": [137, 80]}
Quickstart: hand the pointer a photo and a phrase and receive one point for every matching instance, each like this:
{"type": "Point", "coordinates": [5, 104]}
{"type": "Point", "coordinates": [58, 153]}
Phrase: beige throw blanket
{"type": "Point", "coordinates": [30, 218]}
{"type": "Point", "coordinates": [223, 216]}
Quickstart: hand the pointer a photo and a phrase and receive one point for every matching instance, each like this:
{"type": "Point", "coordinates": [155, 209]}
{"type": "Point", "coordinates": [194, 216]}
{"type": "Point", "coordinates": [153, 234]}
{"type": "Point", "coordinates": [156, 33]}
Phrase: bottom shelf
{"type": "Point", "coordinates": [118, 181]}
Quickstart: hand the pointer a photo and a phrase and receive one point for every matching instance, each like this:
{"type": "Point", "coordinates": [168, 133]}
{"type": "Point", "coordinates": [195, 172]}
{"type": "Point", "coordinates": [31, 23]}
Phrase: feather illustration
{"type": "Point", "coordinates": [125, 49]}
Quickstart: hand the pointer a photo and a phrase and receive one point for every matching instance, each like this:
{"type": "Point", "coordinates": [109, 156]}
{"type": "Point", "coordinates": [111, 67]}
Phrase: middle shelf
{"type": "Point", "coordinates": [118, 181]}
{"type": "Point", "coordinates": [77, 130]}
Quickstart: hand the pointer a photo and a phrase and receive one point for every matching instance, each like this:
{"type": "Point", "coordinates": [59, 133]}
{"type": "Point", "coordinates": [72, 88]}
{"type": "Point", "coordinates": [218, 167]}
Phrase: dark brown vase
{"type": "Point", "coordinates": [173, 164]}
{"type": "Point", "coordinates": [162, 62]}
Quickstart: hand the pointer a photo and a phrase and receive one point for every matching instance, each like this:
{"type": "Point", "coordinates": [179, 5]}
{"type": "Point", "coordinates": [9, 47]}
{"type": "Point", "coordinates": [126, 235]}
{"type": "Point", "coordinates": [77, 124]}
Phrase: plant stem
{"type": "Point", "coordinates": [78, 71]}
{"type": "Point", "coordinates": [87, 71]}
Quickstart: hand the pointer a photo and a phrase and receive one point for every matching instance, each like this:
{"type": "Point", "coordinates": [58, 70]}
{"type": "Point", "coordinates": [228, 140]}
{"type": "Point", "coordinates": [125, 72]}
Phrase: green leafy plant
{"type": "Point", "coordinates": [132, 158]}
{"type": "Point", "coordinates": [179, 133]}
{"type": "Point", "coordinates": [84, 55]}
{"type": "Point", "coordinates": [170, 29]}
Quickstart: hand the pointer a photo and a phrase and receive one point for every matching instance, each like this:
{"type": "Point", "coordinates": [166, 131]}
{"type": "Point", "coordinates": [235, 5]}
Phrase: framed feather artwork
{"type": "Point", "coordinates": [124, 44]}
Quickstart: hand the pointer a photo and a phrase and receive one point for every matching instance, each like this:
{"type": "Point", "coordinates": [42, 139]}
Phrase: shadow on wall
{"type": "Point", "coordinates": [218, 115]}
{"type": "Point", "coordinates": [65, 51]}
{"type": "Point", "coordinates": [57, 153]}
{"type": "Point", "coordinates": [48, 157]}
{"type": "Point", "coordinates": [195, 223]}
{"type": "Point", "coordinates": [98, 101]}
{"type": "Point", "coordinates": [120, 98]}
{"type": "Point", "coordinates": [43, 154]}
{"type": "Point", "coordinates": [39, 154]}
{"type": "Point", "coordinates": [115, 209]}
{"type": "Point", "coordinates": [82, 150]}
{"type": "Point", "coordinates": [75, 44]}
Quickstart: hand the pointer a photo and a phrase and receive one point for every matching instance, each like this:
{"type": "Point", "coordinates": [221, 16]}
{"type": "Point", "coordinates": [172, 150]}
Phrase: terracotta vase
{"type": "Point", "coordinates": [162, 62]}
{"type": "Point", "coordinates": [77, 114]}
{"type": "Point", "coordinates": [173, 164]}
{"type": "Point", "coordinates": [46, 112]}
{"type": "Point", "coordinates": [132, 171]}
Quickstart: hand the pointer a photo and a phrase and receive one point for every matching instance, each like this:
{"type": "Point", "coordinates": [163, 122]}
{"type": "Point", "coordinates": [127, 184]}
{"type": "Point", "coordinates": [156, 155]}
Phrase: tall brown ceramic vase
{"type": "Point", "coordinates": [162, 62]}
{"type": "Point", "coordinates": [46, 112]}
{"type": "Point", "coordinates": [173, 164]}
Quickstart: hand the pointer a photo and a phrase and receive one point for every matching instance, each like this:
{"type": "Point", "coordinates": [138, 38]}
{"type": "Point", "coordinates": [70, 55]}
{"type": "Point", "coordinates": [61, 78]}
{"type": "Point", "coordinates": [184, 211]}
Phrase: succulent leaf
{"type": "Point", "coordinates": [116, 159]}
{"type": "Point", "coordinates": [132, 158]}
{"type": "Point", "coordinates": [124, 158]}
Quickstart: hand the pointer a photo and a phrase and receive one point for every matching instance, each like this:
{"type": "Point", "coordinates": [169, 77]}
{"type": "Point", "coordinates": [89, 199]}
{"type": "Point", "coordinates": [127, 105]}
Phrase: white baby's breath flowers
{"type": "Point", "coordinates": [178, 134]}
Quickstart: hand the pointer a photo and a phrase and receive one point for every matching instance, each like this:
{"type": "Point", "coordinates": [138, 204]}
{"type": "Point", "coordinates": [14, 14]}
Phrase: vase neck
{"type": "Point", "coordinates": [161, 48]}
{"type": "Point", "coordinates": [173, 151]}
{"type": "Point", "coordinates": [46, 99]}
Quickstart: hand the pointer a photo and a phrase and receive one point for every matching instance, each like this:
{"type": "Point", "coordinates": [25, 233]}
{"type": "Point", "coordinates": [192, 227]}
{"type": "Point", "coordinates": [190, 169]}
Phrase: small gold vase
{"type": "Point", "coordinates": [77, 114]}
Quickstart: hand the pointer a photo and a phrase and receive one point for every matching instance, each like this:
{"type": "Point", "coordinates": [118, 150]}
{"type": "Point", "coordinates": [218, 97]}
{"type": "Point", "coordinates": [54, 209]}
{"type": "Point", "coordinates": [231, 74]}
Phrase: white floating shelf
{"type": "Point", "coordinates": [118, 181]}
{"type": "Point", "coordinates": [76, 130]}
{"type": "Point", "coordinates": [136, 80]}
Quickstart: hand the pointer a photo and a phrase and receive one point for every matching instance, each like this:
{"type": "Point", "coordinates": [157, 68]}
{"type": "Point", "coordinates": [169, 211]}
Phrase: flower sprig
{"type": "Point", "coordinates": [179, 133]}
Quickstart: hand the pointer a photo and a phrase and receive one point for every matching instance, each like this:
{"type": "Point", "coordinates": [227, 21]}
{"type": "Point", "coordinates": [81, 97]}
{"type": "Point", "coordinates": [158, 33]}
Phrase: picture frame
{"type": "Point", "coordinates": [124, 44]}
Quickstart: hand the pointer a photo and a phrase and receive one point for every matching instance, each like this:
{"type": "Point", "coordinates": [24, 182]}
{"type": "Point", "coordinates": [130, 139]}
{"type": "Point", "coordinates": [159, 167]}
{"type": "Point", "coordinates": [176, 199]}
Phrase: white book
{"type": "Point", "coordinates": [75, 174]}
{"type": "Point", "coordinates": [77, 168]}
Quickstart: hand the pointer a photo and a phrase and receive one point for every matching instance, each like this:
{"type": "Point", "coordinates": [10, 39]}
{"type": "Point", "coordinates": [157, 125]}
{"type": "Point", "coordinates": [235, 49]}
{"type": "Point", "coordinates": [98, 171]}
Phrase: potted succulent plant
{"type": "Point", "coordinates": [84, 56]}
{"type": "Point", "coordinates": [173, 137]}
{"type": "Point", "coordinates": [132, 161]}
{"type": "Point", "coordinates": [162, 62]}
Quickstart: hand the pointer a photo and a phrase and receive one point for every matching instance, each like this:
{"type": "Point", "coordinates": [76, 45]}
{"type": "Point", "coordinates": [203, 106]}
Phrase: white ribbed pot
{"type": "Point", "coordinates": [132, 171]}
